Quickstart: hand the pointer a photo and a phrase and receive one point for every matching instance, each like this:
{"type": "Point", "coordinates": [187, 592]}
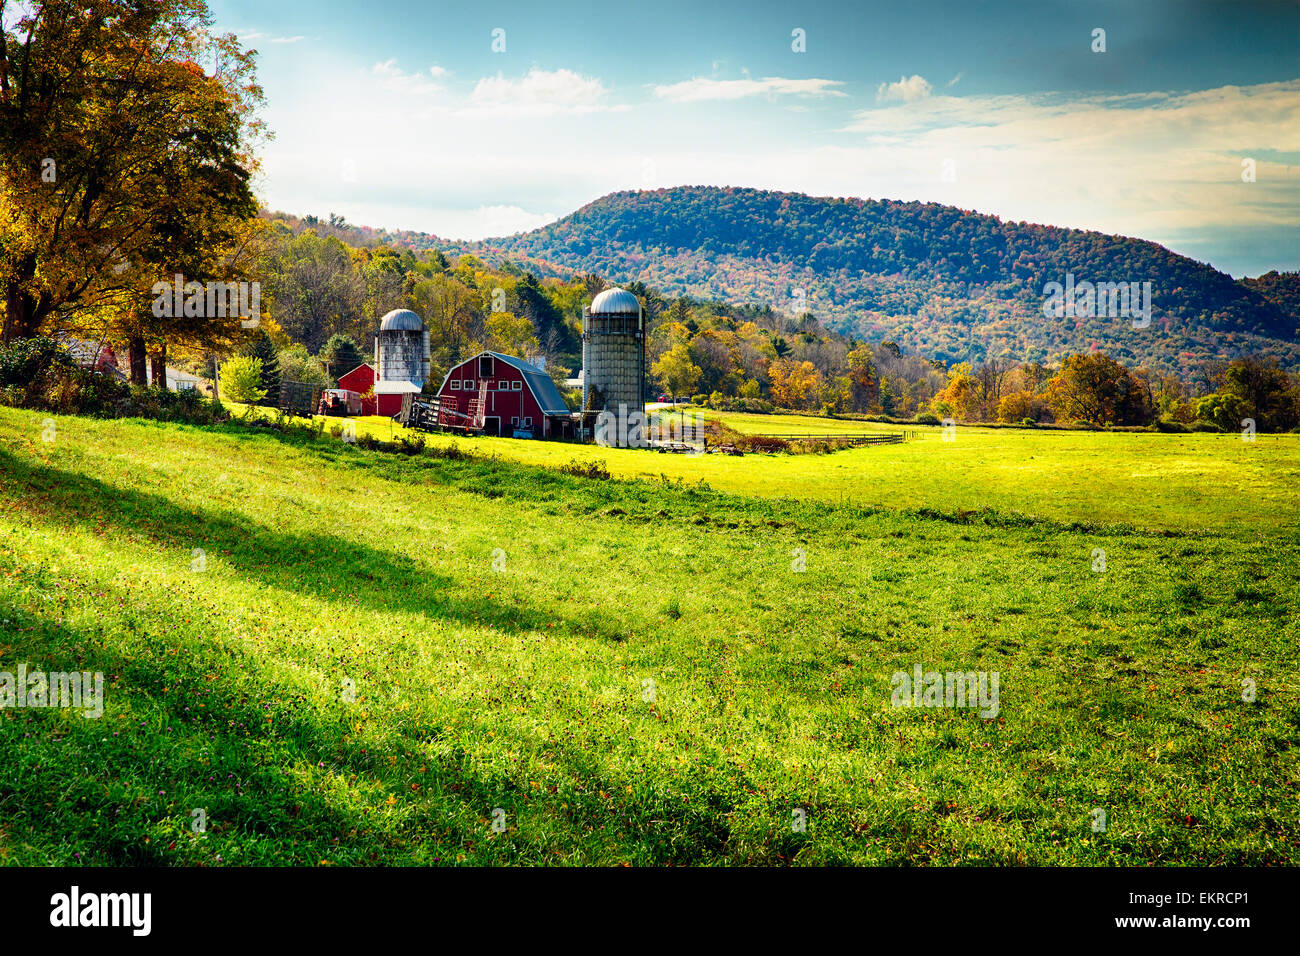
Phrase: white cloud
{"type": "Point", "coordinates": [259, 35]}
{"type": "Point", "coordinates": [539, 92]}
{"type": "Point", "coordinates": [702, 88]}
{"type": "Point", "coordinates": [906, 90]}
{"type": "Point", "coordinates": [1144, 164]}
{"type": "Point", "coordinates": [495, 221]}
{"type": "Point", "coordinates": [396, 80]}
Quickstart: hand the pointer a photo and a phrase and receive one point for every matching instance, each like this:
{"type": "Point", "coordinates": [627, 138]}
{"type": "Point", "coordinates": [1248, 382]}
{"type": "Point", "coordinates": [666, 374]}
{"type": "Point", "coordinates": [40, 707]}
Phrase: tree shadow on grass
{"type": "Point", "coordinates": [281, 777]}
{"type": "Point", "coordinates": [270, 771]}
{"type": "Point", "coordinates": [278, 794]}
{"type": "Point", "coordinates": [314, 565]}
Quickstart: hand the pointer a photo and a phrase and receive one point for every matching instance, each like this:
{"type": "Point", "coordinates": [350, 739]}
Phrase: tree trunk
{"type": "Point", "coordinates": [136, 353]}
{"type": "Point", "coordinates": [158, 363]}
{"type": "Point", "coordinates": [20, 318]}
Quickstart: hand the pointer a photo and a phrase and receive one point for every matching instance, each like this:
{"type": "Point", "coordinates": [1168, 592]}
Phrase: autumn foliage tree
{"type": "Point", "coordinates": [126, 134]}
{"type": "Point", "coordinates": [1097, 390]}
{"type": "Point", "coordinates": [676, 370]}
{"type": "Point", "coordinates": [794, 384]}
{"type": "Point", "coordinates": [864, 380]}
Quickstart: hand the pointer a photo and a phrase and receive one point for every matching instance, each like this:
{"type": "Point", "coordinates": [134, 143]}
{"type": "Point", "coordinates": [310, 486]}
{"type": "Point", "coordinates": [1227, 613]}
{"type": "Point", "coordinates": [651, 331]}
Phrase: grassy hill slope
{"type": "Point", "coordinates": [502, 625]}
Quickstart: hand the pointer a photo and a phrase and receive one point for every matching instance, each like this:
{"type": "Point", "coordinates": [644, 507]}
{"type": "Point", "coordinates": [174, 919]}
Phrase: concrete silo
{"type": "Point", "coordinates": [401, 358]}
{"type": "Point", "coordinates": [613, 353]}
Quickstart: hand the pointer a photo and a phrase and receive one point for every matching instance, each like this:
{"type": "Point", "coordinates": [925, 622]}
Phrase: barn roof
{"type": "Point", "coordinates": [539, 383]}
{"type": "Point", "coordinates": [397, 387]}
{"type": "Point", "coordinates": [357, 369]}
{"type": "Point", "coordinates": [544, 390]}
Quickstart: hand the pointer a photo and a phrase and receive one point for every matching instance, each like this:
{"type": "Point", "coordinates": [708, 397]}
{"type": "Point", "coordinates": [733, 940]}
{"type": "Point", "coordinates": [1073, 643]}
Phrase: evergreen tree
{"type": "Point", "coordinates": [536, 304]}
{"type": "Point", "coordinates": [264, 349]}
{"type": "Point", "coordinates": [341, 356]}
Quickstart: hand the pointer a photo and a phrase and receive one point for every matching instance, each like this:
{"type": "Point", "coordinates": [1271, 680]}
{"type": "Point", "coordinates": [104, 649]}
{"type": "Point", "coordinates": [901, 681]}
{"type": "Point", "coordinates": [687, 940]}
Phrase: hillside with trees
{"type": "Point", "coordinates": [325, 298]}
{"type": "Point", "coordinates": [944, 282]}
{"type": "Point", "coordinates": [128, 146]}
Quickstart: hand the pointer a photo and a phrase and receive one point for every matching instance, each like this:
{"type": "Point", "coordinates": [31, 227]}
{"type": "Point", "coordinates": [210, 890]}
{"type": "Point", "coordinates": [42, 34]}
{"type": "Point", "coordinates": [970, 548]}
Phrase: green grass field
{"type": "Point", "coordinates": [1138, 479]}
{"type": "Point", "coordinates": [633, 671]}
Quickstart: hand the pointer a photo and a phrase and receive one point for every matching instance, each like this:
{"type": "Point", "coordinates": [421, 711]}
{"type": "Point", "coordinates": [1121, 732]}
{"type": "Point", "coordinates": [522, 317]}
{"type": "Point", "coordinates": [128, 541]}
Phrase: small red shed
{"type": "Point", "coordinates": [519, 395]}
{"type": "Point", "coordinates": [362, 379]}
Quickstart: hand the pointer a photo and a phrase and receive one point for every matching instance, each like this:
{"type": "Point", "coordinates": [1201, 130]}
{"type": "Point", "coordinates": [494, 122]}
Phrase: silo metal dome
{"type": "Point", "coordinates": [615, 302]}
{"type": "Point", "coordinates": [401, 320]}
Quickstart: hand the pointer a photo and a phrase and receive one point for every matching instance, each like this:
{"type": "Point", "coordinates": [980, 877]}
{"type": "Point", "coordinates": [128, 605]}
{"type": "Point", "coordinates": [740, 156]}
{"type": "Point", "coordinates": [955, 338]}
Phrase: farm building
{"type": "Point", "coordinates": [361, 380]}
{"type": "Point", "coordinates": [613, 352]}
{"type": "Point", "coordinates": [401, 359]}
{"type": "Point", "coordinates": [102, 358]}
{"type": "Point", "coordinates": [613, 361]}
{"type": "Point", "coordinates": [503, 395]}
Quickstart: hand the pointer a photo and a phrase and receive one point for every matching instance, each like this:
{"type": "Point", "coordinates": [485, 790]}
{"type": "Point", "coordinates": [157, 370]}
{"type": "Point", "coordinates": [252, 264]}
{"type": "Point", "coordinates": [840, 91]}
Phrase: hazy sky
{"type": "Point", "coordinates": [403, 115]}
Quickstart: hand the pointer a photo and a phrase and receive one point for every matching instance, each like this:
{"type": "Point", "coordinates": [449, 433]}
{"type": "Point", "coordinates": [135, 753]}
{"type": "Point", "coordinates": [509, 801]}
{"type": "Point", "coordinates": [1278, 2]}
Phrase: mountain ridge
{"type": "Point", "coordinates": [942, 281]}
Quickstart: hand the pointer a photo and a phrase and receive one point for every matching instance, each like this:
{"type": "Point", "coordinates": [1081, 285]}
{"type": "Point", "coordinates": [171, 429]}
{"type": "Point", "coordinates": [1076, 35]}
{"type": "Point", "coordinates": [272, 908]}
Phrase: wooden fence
{"type": "Point", "coordinates": [891, 438]}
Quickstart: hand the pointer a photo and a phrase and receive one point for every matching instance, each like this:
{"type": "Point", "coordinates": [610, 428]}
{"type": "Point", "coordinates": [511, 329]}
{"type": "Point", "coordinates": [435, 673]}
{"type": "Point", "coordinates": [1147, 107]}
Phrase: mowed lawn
{"type": "Point", "coordinates": [751, 423]}
{"type": "Point", "coordinates": [1138, 479]}
{"type": "Point", "coordinates": [374, 659]}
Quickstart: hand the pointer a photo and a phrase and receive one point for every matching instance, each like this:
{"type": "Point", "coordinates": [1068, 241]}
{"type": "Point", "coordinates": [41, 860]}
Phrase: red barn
{"type": "Point", "coordinates": [362, 379]}
{"type": "Point", "coordinates": [517, 395]}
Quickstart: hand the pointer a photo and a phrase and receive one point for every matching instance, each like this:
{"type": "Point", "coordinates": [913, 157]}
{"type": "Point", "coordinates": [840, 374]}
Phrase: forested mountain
{"type": "Point", "coordinates": [1280, 288]}
{"type": "Point", "coordinates": [943, 282]}
{"type": "Point", "coordinates": [957, 328]}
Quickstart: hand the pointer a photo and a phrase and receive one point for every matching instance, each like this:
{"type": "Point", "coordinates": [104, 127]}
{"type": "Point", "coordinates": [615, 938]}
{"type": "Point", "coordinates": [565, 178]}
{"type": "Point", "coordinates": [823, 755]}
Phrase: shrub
{"type": "Point", "coordinates": [23, 361]}
{"type": "Point", "coordinates": [71, 390]}
{"type": "Point", "coordinates": [755, 405]}
{"type": "Point", "coordinates": [586, 469]}
{"type": "Point", "coordinates": [66, 388]}
{"type": "Point", "coordinates": [241, 379]}
{"type": "Point", "coordinates": [411, 446]}
{"type": "Point", "coordinates": [927, 418]}
{"type": "Point", "coordinates": [818, 446]}
{"type": "Point", "coordinates": [451, 452]}
{"type": "Point", "coordinates": [761, 443]}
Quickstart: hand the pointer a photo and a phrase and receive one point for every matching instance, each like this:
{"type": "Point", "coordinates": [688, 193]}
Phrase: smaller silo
{"type": "Point", "coordinates": [401, 357]}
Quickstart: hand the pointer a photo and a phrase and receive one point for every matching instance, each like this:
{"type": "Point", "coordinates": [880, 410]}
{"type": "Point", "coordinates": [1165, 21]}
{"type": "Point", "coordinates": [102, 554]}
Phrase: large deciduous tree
{"type": "Point", "coordinates": [126, 132]}
{"type": "Point", "coordinates": [864, 380]}
{"type": "Point", "coordinates": [1263, 387]}
{"type": "Point", "coordinates": [1100, 391]}
{"type": "Point", "coordinates": [677, 372]}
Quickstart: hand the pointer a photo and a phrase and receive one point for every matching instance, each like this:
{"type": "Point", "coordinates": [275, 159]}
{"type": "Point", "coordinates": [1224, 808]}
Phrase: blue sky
{"type": "Point", "coordinates": [403, 114]}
